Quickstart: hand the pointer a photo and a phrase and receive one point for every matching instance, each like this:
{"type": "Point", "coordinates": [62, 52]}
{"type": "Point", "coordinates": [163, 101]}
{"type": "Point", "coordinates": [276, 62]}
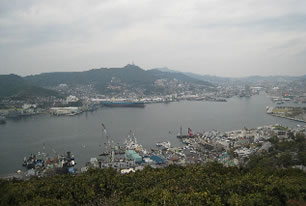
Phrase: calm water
{"type": "Point", "coordinates": [82, 134]}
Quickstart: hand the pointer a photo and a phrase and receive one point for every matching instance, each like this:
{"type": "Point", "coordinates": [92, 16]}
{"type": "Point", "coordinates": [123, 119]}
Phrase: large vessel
{"type": "Point", "coordinates": [123, 103]}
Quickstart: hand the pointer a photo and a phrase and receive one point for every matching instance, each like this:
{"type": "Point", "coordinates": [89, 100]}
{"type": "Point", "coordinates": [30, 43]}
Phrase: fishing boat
{"type": "Point", "coordinates": [166, 144]}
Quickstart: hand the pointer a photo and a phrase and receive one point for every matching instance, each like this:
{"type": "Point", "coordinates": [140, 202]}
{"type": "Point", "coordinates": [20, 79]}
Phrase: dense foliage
{"type": "Point", "coordinates": [283, 153]}
{"type": "Point", "coordinates": [15, 86]}
{"type": "Point", "coordinates": [129, 75]}
{"type": "Point", "coordinates": [212, 184]}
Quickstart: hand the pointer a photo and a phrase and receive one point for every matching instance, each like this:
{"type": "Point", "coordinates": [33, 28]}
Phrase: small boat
{"type": "Point", "coordinates": [164, 144]}
{"type": "Point", "coordinates": [104, 154]}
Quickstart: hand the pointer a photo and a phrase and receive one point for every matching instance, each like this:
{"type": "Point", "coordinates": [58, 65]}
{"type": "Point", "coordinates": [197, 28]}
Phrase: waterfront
{"type": "Point", "coordinates": [82, 134]}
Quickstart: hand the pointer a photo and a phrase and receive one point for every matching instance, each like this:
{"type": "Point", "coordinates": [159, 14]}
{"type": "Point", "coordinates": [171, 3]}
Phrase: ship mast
{"type": "Point", "coordinates": [181, 131]}
{"type": "Point", "coordinates": [107, 143]}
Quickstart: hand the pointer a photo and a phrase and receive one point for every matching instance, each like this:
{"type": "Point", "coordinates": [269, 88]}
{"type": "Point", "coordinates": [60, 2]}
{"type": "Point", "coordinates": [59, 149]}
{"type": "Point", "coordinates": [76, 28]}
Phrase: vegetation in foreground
{"type": "Point", "coordinates": [212, 184]}
{"type": "Point", "coordinates": [283, 153]}
{"type": "Point", "coordinates": [267, 179]}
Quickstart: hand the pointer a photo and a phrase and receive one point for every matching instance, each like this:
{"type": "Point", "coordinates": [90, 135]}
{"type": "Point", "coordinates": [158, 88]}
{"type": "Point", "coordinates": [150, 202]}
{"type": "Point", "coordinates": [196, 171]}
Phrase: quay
{"type": "Point", "coordinates": [231, 148]}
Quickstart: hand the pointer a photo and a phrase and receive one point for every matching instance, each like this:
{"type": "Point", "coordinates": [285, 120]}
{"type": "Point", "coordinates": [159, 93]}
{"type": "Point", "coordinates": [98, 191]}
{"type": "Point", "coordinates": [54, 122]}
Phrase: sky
{"type": "Point", "coordinates": [230, 38]}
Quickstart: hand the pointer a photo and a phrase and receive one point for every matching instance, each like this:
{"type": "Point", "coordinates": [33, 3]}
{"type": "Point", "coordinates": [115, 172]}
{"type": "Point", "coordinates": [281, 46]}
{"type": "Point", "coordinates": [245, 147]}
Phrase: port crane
{"type": "Point", "coordinates": [108, 145]}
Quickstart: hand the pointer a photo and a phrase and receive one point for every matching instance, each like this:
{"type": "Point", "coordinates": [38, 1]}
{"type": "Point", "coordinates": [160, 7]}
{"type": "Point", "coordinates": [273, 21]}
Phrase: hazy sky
{"type": "Point", "coordinates": [217, 37]}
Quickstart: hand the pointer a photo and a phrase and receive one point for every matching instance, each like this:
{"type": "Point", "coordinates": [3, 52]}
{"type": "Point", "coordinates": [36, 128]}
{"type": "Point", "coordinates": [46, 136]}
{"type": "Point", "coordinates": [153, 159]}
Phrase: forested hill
{"type": "Point", "coordinates": [15, 86]}
{"type": "Point", "coordinates": [212, 184]}
{"type": "Point", "coordinates": [130, 75]}
{"type": "Point", "coordinates": [179, 76]}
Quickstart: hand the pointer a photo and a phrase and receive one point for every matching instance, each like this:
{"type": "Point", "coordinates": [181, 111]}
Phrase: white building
{"type": "Point", "coordinates": [72, 98]}
{"type": "Point", "coordinates": [64, 110]}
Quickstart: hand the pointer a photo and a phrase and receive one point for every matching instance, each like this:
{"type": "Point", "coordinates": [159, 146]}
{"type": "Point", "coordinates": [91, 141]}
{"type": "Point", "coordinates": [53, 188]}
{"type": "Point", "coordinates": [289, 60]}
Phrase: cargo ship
{"type": "Point", "coordinates": [123, 103]}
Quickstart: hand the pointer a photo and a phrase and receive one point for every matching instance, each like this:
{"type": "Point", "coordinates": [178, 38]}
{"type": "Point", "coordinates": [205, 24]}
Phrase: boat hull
{"type": "Point", "coordinates": [123, 104]}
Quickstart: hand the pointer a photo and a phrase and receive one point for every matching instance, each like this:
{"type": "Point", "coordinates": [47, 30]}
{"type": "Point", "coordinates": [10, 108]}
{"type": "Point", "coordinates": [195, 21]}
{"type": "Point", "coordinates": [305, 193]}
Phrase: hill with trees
{"type": "Point", "coordinates": [15, 86]}
{"type": "Point", "coordinates": [212, 184]}
{"type": "Point", "coordinates": [130, 75]}
{"type": "Point", "coordinates": [282, 154]}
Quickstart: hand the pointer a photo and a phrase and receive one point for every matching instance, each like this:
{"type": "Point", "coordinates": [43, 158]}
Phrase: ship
{"type": "Point", "coordinates": [166, 144]}
{"type": "Point", "coordinates": [123, 104]}
{"type": "Point", "coordinates": [118, 156]}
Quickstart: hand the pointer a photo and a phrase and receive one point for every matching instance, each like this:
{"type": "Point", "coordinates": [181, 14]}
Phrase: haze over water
{"type": "Point", "coordinates": [82, 134]}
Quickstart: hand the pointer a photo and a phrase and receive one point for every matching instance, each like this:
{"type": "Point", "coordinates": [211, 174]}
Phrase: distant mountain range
{"type": "Point", "coordinates": [221, 80]}
{"type": "Point", "coordinates": [208, 78]}
{"type": "Point", "coordinates": [15, 86]}
{"type": "Point", "coordinates": [131, 76]}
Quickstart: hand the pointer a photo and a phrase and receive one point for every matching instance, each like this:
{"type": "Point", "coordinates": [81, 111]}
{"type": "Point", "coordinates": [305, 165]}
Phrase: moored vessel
{"type": "Point", "coordinates": [123, 103]}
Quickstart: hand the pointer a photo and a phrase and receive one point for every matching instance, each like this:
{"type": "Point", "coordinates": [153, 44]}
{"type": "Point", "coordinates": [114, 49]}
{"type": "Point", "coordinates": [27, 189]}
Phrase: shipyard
{"type": "Point", "coordinates": [172, 141]}
{"type": "Point", "coordinates": [153, 103]}
{"type": "Point", "coordinates": [288, 112]}
{"type": "Point", "coordinates": [231, 148]}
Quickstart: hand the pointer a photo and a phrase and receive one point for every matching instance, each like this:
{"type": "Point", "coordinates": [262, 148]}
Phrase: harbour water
{"type": "Point", "coordinates": [82, 134]}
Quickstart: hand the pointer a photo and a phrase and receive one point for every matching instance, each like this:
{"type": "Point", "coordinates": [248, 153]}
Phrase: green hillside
{"type": "Point", "coordinates": [130, 75]}
{"type": "Point", "coordinates": [212, 184]}
{"type": "Point", "coordinates": [15, 86]}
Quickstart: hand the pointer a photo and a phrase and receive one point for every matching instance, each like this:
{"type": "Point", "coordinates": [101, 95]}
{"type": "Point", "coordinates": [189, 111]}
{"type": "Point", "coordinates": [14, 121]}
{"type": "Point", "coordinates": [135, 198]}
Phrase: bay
{"type": "Point", "coordinates": [82, 134]}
